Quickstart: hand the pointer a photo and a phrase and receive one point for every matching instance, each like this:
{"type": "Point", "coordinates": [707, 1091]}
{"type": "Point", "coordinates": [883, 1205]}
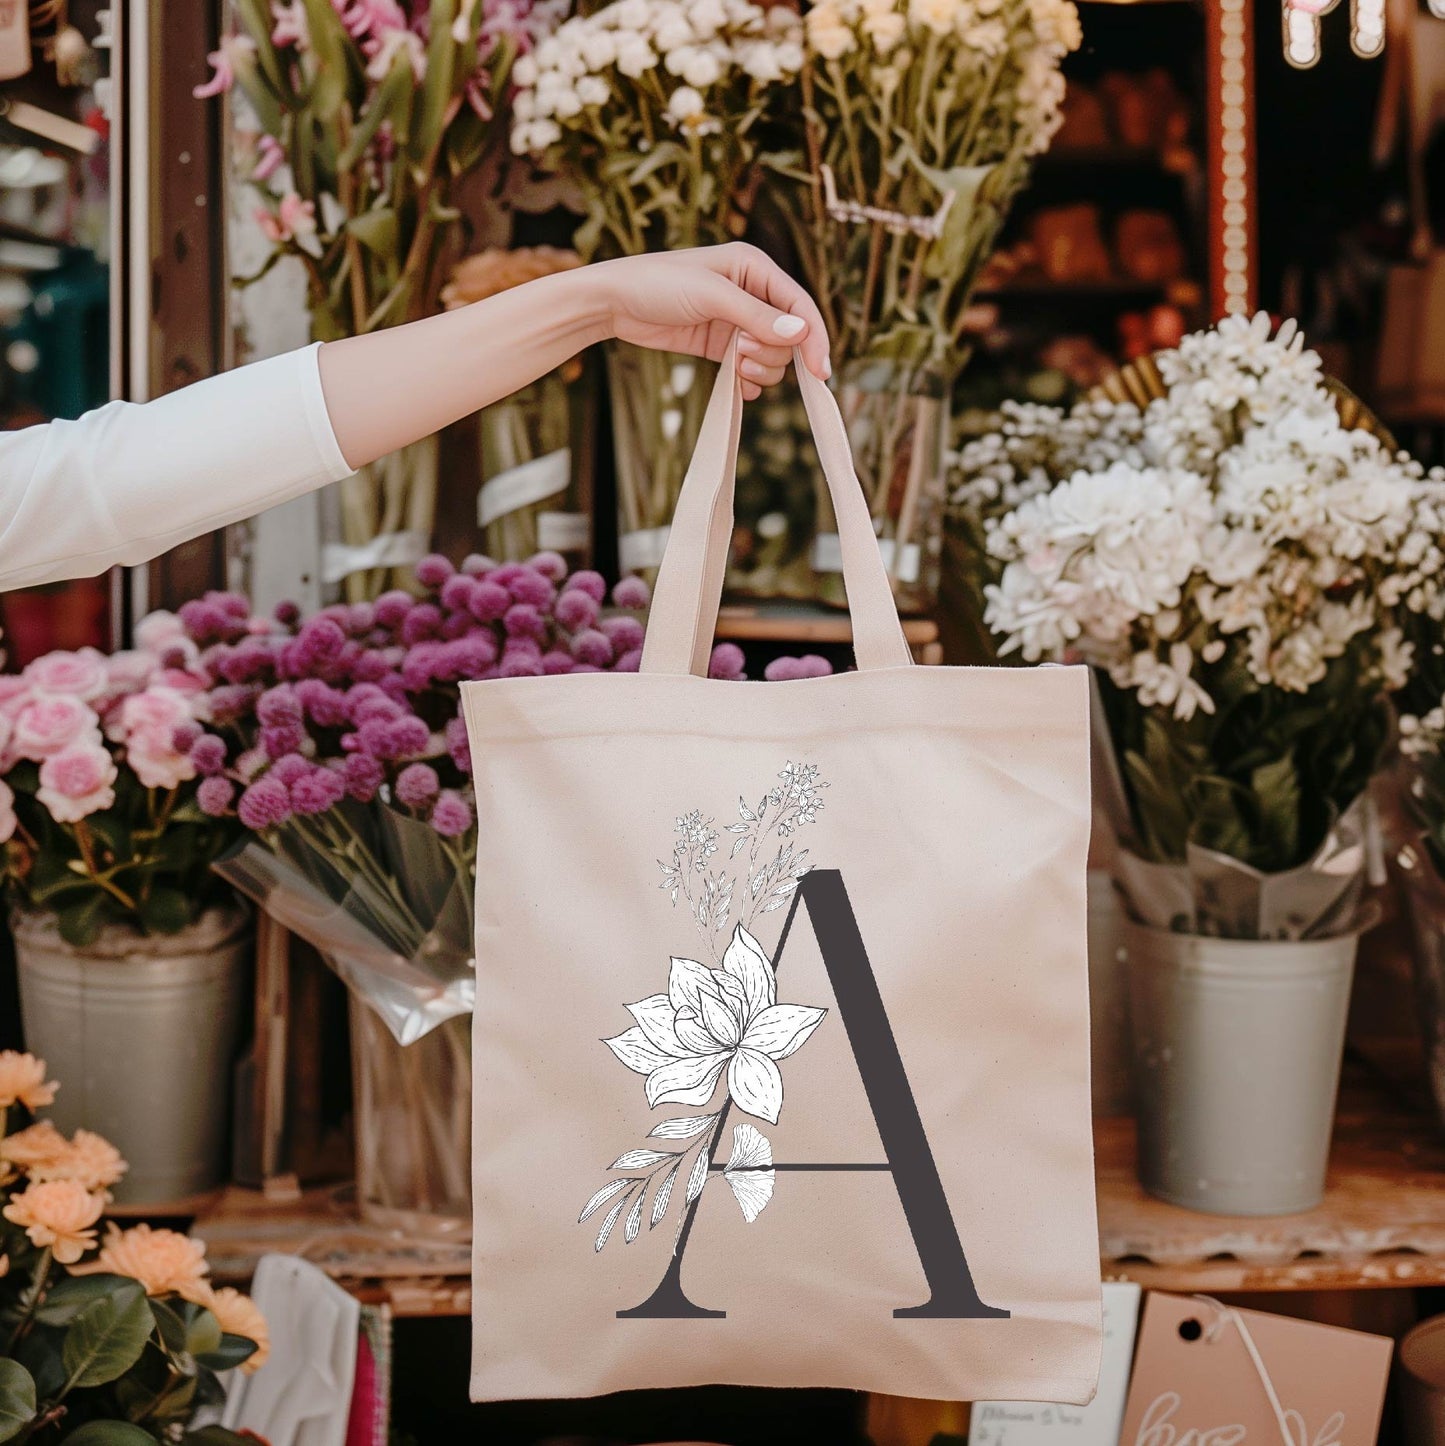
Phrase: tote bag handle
{"type": "Point", "coordinates": [688, 593]}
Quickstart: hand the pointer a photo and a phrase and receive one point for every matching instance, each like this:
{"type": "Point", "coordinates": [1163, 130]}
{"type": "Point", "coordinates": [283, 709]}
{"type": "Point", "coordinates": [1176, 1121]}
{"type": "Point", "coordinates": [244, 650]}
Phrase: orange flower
{"type": "Point", "coordinates": [58, 1213]}
{"type": "Point", "coordinates": [22, 1078]}
{"type": "Point", "coordinates": [35, 1148]}
{"type": "Point", "coordinates": [89, 1158]}
{"type": "Point", "coordinates": [239, 1315]}
{"type": "Point", "coordinates": [475, 278]}
{"type": "Point", "coordinates": [161, 1260]}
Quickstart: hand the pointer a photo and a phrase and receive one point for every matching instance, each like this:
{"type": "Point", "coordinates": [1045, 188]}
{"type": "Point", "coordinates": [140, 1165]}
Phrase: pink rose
{"type": "Point", "coordinates": [158, 710]}
{"type": "Point", "coordinates": [156, 763]}
{"type": "Point", "coordinates": [81, 674]}
{"type": "Point", "coordinates": [129, 670]}
{"type": "Point", "coordinates": [160, 632]}
{"type": "Point", "coordinates": [14, 693]}
{"type": "Point", "coordinates": [7, 812]}
{"type": "Point", "coordinates": [50, 722]}
{"type": "Point", "coordinates": [77, 782]}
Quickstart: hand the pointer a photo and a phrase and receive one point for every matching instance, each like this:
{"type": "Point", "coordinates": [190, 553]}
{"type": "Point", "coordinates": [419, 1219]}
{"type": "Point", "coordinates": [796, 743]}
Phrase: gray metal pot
{"type": "Point", "coordinates": [141, 1033]}
{"type": "Point", "coordinates": [1237, 1046]}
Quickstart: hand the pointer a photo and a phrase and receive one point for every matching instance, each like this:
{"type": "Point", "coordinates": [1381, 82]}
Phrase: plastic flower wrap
{"type": "Point", "coordinates": [98, 806]}
{"type": "Point", "coordinates": [1241, 569]}
{"type": "Point", "coordinates": [119, 1335]}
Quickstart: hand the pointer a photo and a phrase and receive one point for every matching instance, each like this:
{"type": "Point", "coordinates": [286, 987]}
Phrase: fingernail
{"type": "Point", "coordinates": [827, 368]}
{"type": "Point", "coordinates": [751, 369]}
{"type": "Point", "coordinates": [747, 345]}
{"type": "Point", "coordinates": [789, 325]}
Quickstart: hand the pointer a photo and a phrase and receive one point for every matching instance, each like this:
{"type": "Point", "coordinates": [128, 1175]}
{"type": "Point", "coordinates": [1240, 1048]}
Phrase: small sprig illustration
{"type": "Point", "coordinates": [719, 897]}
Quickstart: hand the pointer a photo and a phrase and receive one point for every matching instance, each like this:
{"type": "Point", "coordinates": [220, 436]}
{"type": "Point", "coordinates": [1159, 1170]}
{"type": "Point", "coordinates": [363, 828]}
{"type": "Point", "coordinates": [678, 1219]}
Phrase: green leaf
{"type": "Point", "coordinates": [433, 100]}
{"type": "Point", "coordinates": [67, 1298]}
{"type": "Point", "coordinates": [17, 1398]}
{"type": "Point", "coordinates": [167, 911]}
{"type": "Point", "coordinates": [80, 922]}
{"type": "Point", "coordinates": [950, 253]}
{"type": "Point", "coordinates": [391, 101]}
{"type": "Point", "coordinates": [170, 1325]}
{"type": "Point", "coordinates": [106, 1339]}
{"type": "Point", "coordinates": [376, 230]}
{"type": "Point", "coordinates": [110, 1433]}
{"type": "Point", "coordinates": [203, 1330]}
{"type": "Point", "coordinates": [331, 49]}
{"type": "Point", "coordinates": [229, 1354]}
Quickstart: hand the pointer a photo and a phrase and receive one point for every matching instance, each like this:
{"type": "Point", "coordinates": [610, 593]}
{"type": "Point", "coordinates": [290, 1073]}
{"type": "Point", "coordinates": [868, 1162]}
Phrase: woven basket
{"type": "Point", "coordinates": [1139, 383]}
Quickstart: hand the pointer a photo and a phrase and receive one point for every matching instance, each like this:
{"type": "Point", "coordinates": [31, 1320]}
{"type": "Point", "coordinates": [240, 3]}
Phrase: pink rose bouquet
{"type": "Point", "coordinates": [98, 794]}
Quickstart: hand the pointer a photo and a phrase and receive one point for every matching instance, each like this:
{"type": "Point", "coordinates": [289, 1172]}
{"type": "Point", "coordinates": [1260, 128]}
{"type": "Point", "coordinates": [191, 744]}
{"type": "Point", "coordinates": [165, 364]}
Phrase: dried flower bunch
{"type": "Point", "coordinates": [98, 807]}
{"type": "Point", "coordinates": [1239, 566]}
{"type": "Point", "coordinates": [133, 1333]}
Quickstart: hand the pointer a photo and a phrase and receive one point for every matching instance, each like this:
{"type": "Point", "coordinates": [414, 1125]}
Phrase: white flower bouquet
{"type": "Point", "coordinates": [653, 108]}
{"type": "Point", "coordinates": [919, 121]}
{"type": "Point", "coordinates": [1240, 567]}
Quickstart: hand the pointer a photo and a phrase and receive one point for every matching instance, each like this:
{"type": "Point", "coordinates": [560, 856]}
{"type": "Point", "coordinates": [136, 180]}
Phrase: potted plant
{"type": "Point", "coordinates": [915, 128]}
{"type": "Point", "coordinates": [656, 113]}
{"type": "Point", "coordinates": [368, 117]}
{"type": "Point", "coordinates": [1235, 550]}
{"type": "Point", "coordinates": [117, 1341]}
{"type": "Point", "coordinates": [122, 932]}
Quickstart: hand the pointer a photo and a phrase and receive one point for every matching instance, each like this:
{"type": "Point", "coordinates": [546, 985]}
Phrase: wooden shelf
{"type": "Point", "coordinates": [805, 623]}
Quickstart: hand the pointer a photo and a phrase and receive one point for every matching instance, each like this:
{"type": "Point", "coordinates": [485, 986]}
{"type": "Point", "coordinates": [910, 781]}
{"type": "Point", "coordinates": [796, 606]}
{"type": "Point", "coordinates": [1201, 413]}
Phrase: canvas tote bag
{"type": "Point", "coordinates": [781, 1050]}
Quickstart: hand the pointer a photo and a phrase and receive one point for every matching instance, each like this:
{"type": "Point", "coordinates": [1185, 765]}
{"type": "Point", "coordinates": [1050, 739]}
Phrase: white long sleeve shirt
{"type": "Point", "coordinates": [126, 482]}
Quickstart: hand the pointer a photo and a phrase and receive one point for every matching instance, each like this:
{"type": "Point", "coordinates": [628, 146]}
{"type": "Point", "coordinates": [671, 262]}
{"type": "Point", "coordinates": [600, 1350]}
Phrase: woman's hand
{"type": "Point", "coordinates": [693, 301]}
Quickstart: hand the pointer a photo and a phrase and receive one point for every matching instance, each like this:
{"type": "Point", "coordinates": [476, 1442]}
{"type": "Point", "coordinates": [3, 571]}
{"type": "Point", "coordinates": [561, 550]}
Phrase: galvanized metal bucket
{"type": "Point", "coordinates": [1237, 1046]}
{"type": "Point", "coordinates": [142, 1034]}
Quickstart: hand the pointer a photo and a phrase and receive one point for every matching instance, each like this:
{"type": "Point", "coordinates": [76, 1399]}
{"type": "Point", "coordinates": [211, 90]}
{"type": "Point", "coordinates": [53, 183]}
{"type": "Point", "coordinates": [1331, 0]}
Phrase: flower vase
{"type": "Point", "coordinates": [413, 1108]}
{"type": "Point", "coordinates": [144, 1032]}
{"type": "Point", "coordinates": [897, 420]}
{"type": "Point", "coordinates": [528, 501]}
{"type": "Point", "coordinates": [658, 399]}
{"type": "Point", "coordinates": [388, 509]}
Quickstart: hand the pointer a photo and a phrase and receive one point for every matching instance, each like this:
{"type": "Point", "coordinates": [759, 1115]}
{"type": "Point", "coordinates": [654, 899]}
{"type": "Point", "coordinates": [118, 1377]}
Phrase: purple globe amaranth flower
{"type": "Point", "coordinates": [624, 633]}
{"type": "Point", "coordinates": [576, 610]}
{"type": "Point", "coordinates": [235, 604]}
{"type": "Point", "coordinates": [590, 646]}
{"type": "Point", "coordinates": [632, 592]}
{"type": "Point", "coordinates": [288, 614]}
{"type": "Point", "coordinates": [726, 661]}
{"type": "Point", "coordinates": [393, 738]}
{"type": "Point", "coordinates": [278, 705]}
{"type": "Point", "coordinates": [417, 784]}
{"type": "Point", "coordinates": [247, 662]}
{"type": "Point", "coordinates": [214, 795]}
{"type": "Point", "coordinates": [433, 570]}
{"type": "Point", "coordinates": [520, 665]}
{"type": "Point", "coordinates": [208, 753]}
{"type": "Point", "coordinates": [459, 748]}
{"type": "Point", "coordinates": [175, 656]}
{"type": "Point", "coordinates": [457, 625]}
{"type": "Point", "coordinates": [557, 661]}
{"type": "Point", "coordinates": [810, 665]}
{"type": "Point", "coordinates": [422, 664]}
{"type": "Point", "coordinates": [230, 703]}
{"type": "Point", "coordinates": [552, 565]}
{"type": "Point", "coordinates": [587, 668]}
{"type": "Point", "coordinates": [452, 815]}
{"type": "Point", "coordinates": [317, 790]}
{"type": "Point", "coordinates": [394, 686]}
{"type": "Point", "coordinates": [457, 591]}
{"type": "Point", "coordinates": [205, 621]}
{"type": "Point", "coordinates": [325, 706]}
{"type": "Point", "coordinates": [281, 739]}
{"type": "Point", "coordinates": [320, 641]}
{"type": "Point", "coordinates": [185, 736]}
{"type": "Point", "coordinates": [529, 586]}
{"type": "Point", "coordinates": [422, 622]}
{"type": "Point", "coordinates": [470, 656]}
{"type": "Point", "coordinates": [592, 583]}
{"type": "Point", "coordinates": [370, 667]}
{"type": "Point", "coordinates": [362, 775]}
{"type": "Point", "coordinates": [504, 574]}
{"type": "Point", "coordinates": [489, 601]}
{"type": "Point", "coordinates": [476, 564]}
{"type": "Point", "coordinates": [361, 617]}
{"type": "Point", "coordinates": [523, 620]}
{"type": "Point", "coordinates": [264, 804]}
{"type": "Point", "coordinates": [629, 662]}
{"type": "Point", "coordinates": [365, 699]}
{"type": "Point", "coordinates": [391, 607]}
{"type": "Point", "coordinates": [291, 767]}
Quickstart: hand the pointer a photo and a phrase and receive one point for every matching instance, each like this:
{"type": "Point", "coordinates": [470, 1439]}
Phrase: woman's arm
{"type": "Point", "coordinates": [128, 481]}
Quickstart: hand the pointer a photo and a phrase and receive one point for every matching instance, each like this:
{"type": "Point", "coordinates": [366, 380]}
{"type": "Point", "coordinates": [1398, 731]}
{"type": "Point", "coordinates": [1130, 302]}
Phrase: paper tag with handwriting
{"type": "Point", "coordinates": [1197, 1382]}
{"type": "Point", "coordinates": [1017, 1423]}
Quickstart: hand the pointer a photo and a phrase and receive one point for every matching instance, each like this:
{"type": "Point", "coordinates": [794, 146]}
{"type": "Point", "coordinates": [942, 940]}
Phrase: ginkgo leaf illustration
{"type": "Point", "coordinates": [749, 1171]}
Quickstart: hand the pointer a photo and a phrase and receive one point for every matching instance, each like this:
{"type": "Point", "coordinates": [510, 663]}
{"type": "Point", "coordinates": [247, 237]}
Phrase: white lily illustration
{"type": "Point", "coordinates": [715, 1019]}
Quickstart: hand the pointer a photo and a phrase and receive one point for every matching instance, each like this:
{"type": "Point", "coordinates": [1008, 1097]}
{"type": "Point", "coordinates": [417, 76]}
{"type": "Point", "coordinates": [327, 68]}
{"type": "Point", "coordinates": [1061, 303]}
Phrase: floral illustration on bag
{"type": "Point", "coordinates": [719, 1021]}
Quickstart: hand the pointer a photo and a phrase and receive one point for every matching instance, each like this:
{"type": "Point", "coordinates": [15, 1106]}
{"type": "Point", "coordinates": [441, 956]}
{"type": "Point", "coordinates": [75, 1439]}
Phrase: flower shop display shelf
{"type": "Point", "coordinates": [1381, 1224]}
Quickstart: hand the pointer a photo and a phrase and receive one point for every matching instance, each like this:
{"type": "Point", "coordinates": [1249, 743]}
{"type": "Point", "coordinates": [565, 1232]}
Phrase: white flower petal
{"type": "Point", "coordinates": [746, 962]}
{"type": "Point", "coordinates": [686, 982]}
{"type": "Point", "coordinates": [636, 1051]}
{"type": "Point", "coordinates": [692, 1036]}
{"type": "Point", "coordinates": [657, 1018]}
{"type": "Point", "coordinates": [688, 1081]}
{"type": "Point", "coordinates": [721, 1022]}
{"type": "Point", "coordinates": [783, 1029]}
{"type": "Point", "coordinates": [755, 1084]}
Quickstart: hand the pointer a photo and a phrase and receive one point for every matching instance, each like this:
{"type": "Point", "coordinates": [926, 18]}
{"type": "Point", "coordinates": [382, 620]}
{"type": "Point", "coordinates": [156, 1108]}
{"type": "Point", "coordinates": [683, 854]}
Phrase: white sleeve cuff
{"type": "Point", "coordinates": [318, 418]}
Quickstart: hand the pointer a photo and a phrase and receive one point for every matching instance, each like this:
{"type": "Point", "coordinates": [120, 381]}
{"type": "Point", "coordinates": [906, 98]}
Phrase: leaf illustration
{"type": "Point", "coordinates": [664, 1194]}
{"type": "Point", "coordinates": [698, 1178]}
{"type": "Point", "coordinates": [738, 847]}
{"type": "Point", "coordinates": [607, 1224]}
{"type": "Point", "coordinates": [738, 828]}
{"type": "Point", "coordinates": [683, 1128]}
{"type": "Point", "coordinates": [639, 1160]}
{"type": "Point", "coordinates": [772, 904]}
{"type": "Point", "coordinates": [603, 1196]}
{"type": "Point", "coordinates": [744, 812]}
{"type": "Point", "coordinates": [634, 1218]}
{"type": "Point", "coordinates": [786, 887]}
{"type": "Point", "coordinates": [749, 1171]}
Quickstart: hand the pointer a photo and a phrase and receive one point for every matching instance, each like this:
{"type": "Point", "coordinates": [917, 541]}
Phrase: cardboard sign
{"type": "Point", "coordinates": [1018, 1423]}
{"type": "Point", "coordinates": [1206, 1375]}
